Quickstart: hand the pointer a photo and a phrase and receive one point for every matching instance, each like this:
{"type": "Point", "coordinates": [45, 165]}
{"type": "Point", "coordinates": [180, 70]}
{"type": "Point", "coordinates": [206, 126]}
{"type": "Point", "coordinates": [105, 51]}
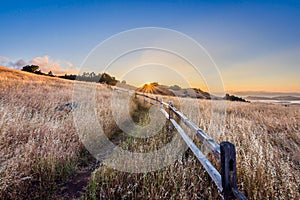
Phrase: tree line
{"type": "Point", "coordinates": [233, 98]}
{"type": "Point", "coordinates": [86, 76]}
{"type": "Point", "coordinates": [35, 69]}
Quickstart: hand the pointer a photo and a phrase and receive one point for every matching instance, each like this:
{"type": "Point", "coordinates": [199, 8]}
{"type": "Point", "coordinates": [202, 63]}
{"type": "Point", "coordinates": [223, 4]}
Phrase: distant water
{"type": "Point", "coordinates": [277, 101]}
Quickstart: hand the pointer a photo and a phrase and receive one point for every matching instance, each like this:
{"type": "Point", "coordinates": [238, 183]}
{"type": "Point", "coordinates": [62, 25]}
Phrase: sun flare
{"type": "Point", "coordinates": [148, 87]}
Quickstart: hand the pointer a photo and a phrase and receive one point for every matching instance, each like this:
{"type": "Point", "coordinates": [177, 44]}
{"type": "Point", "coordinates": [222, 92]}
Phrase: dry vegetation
{"type": "Point", "coordinates": [39, 147]}
{"type": "Point", "coordinates": [267, 141]}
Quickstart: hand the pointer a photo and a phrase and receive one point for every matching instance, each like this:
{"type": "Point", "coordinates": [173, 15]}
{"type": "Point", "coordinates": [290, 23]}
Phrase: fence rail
{"type": "Point", "coordinates": [225, 152]}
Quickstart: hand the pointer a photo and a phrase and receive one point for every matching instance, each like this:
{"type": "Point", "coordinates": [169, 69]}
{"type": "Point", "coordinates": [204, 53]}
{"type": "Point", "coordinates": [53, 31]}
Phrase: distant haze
{"type": "Point", "coordinates": [264, 93]}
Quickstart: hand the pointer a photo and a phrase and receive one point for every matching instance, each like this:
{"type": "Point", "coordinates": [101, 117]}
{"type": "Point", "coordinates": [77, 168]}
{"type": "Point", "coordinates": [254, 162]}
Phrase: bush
{"type": "Point", "coordinates": [30, 68]}
{"type": "Point", "coordinates": [233, 98]}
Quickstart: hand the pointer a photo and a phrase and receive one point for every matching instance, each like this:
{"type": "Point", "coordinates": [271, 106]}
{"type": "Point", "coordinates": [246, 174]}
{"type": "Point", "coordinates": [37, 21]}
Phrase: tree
{"type": "Point", "coordinates": [233, 98]}
{"type": "Point", "coordinates": [50, 73]}
{"type": "Point", "coordinates": [92, 74]}
{"type": "Point", "coordinates": [175, 87]}
{"type": "Point", "coordinates": [39, 72]}
{"type": "Point", "coordinates": [86, 74]}
{"type": "Point", "coordinates": [30, 68]}
{"type": "Point", "coordinates": [106, 78]}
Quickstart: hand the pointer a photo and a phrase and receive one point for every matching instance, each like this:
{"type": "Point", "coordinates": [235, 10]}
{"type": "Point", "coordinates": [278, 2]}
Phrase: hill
{"type": "Point", "coordinates": [155, 88]}
{"type": "Point", "coordinates": [18, 75]}
{"type": "Point", "coordinates": [12, 74]}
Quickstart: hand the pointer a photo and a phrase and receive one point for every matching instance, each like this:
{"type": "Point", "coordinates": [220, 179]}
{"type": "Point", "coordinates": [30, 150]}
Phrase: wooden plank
{"type": "Point", "coordinates": [211, 170]}
{"type": "Point", "coordinates": [165, 113]}
{"type": "Point", "coordinates": [213, 147]}
{"type": "Point", "coordinates": [155, 99]}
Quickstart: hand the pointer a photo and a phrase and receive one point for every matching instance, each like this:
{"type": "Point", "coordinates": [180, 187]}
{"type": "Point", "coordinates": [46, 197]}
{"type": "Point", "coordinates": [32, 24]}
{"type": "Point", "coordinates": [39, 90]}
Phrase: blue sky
{"type": "Point", "coordinates": [255, 44]}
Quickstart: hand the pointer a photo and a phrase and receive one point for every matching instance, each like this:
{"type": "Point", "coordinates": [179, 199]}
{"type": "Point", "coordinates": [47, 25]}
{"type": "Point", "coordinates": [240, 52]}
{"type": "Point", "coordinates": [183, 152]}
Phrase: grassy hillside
{"type": "Point", "coordinates": [7, 74]}
{"type": "Point", "coordinates": [39, 146]}
{"type": "Point", "coordinates": [40, 150]}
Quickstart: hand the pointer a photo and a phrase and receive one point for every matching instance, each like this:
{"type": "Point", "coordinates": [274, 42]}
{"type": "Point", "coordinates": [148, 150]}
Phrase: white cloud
{"type": "Point", "coordinates": [45, 63]}
{"type": "Point", "coordinates": [57, 67]}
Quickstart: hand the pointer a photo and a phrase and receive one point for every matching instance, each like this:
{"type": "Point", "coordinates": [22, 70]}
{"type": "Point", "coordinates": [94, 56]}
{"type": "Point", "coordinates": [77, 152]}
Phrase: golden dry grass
{"type": "Point", "coordinates": [39, 146]}
{"type": "Point", "coordinates": [267, 142]}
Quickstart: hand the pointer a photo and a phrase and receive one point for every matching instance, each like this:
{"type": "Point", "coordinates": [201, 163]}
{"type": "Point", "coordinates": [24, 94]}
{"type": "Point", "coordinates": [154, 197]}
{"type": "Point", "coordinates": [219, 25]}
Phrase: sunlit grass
{"type": "Point", "coordinates": [267, 142]}
{"type": "Point", "coordinates": [39, 147]}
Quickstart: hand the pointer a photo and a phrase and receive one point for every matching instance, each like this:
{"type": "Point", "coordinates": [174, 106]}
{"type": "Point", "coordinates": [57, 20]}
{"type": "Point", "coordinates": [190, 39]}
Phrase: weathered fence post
{"type": "Point", "coordinates": [171, 104]}
{"type": "Point", "coordinates": [228, 169]}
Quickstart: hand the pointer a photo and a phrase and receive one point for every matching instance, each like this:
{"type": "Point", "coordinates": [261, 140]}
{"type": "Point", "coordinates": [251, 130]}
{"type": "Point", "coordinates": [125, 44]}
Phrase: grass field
{"type": "Point", "coordinates": [39, 145]}
{"type": "Point", "coordinates": [40, 150]}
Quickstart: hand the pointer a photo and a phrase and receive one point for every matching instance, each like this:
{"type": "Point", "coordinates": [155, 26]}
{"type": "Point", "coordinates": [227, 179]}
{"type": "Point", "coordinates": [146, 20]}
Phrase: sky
{"type": "Point", "coordinates": [254, 44]}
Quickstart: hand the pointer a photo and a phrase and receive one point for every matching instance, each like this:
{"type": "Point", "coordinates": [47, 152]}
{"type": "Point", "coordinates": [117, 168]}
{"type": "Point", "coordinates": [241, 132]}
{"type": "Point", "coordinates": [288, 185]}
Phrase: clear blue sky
{"type": "Point", "coordinates": [256, 44]}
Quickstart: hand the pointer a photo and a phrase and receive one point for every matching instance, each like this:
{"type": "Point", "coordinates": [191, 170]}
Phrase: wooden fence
{"type": "Point", "coordinates": [225, 152]}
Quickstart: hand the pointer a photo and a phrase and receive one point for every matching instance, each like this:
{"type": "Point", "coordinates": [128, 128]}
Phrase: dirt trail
{"type": "Point", "coordinates": [75, 187]}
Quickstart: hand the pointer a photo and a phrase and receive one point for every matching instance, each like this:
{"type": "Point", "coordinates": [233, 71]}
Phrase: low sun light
{"type": "Point", "coordinates": [148, 87]}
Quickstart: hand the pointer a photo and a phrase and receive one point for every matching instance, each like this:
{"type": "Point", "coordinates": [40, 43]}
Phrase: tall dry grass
{"type": "Point", "coordinates": [267, 140]}
{"type": "Point", "coordinates": [39, 146]}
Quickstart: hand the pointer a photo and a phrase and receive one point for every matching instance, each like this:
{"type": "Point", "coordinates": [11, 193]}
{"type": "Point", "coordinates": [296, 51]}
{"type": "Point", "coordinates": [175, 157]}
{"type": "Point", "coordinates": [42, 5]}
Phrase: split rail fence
{"type": "Point", "coordinates": [226, 182]}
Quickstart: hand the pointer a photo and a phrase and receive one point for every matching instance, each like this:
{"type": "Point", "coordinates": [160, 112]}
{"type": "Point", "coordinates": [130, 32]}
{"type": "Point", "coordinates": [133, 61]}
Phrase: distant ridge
{"type": "Point", "coordinates": [279, 98]}
{"type": "Point", "coordinates": [155, 88]}
{"type": "Point", "coordinates": [267, 94]}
